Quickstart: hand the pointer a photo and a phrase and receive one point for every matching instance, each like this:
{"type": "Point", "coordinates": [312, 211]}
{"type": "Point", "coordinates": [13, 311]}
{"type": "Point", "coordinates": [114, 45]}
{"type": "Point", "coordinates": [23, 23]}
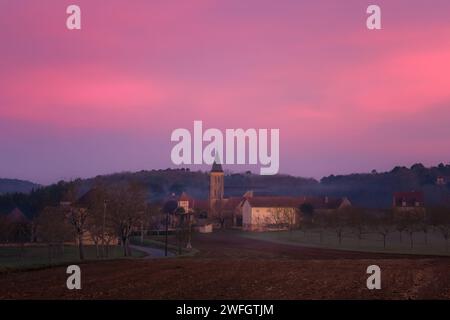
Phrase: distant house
{"type": "Point", "coordinates": [197, 207]}
{"type": "Point", "coordinates": [327, 204]}
{"type": "Point", "coordinates": [409, 204]}
{"type": "Point", "coordinates": [408, 200]}
{"type": "Point", "coordinates": [202, 212]}
{"type": "Point", "coordinates": [442, 181]}
{"type": "Point", "coordinates": [186, 202]}
{"type": "Point", "coordinates": [17, 216]}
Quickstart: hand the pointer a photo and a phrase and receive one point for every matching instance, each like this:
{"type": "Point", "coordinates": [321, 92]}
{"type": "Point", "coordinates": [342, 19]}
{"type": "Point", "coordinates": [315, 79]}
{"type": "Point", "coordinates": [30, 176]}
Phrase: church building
{"type": "Point", "coordinates": [252, 212]}
{"type": "Point", "coordinates": [216, 185]}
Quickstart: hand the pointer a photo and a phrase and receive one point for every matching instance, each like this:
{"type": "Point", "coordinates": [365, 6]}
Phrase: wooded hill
{"type": "Point", "coordinates": [373, 190]}
{"type": "Point", "coordinates": [14, 185]}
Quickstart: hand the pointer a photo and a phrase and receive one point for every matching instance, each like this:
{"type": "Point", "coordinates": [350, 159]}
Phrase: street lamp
{"type": "Point", "coordinates": [169, 208]}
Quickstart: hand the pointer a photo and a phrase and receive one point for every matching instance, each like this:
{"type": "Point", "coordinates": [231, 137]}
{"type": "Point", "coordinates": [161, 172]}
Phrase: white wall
{"type": "Point", "coordinates": [259, 217]}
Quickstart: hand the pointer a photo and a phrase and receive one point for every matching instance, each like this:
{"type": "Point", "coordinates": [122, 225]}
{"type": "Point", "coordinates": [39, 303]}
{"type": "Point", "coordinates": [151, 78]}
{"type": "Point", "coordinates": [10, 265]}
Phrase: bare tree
{"type": "Point", "coordinates": [15, 230]}
{"type": "Point", "coordinates": [400, 226]}
{"type": "Point", "coordinates": [53, 229]}
{"type": "Point", "coordinates": [281, 218]}
{"type": "Point", "coordinates": [384, 225]}
{"type": "Point", "coordinates": [94, 227]}
{"type": "Point", "coordinates": [358, 221]}
{"type": "Point", "coordinates": [127, 206]}
{"type": "Point", "coordinates": [338, 222]}
{"type": "Point", "coordinates": [424, 226]}
{"type": "Point", "coordinates": [440, 219]}
{"type": "Point", "coordinates": [99, 222]}
{"type": "Point", "coordinates": [411, 220]}
{"type": "Point", "coordinates": [77, 218]}
{"type": "Point", "coordinates": [321, 222]}
{"type": "Point", "coordinates": [154, 217]}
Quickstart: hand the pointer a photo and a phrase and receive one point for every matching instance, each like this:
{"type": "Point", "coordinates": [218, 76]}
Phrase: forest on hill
{"type": "Point", "coordinates": [372, 190]}
{"type": "Point", "coordinates": [15, 185]}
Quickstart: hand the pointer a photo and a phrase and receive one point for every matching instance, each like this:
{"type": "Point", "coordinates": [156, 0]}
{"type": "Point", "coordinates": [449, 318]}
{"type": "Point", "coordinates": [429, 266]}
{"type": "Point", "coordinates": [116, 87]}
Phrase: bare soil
{"type": "Point", "coordinates": [232, 267]}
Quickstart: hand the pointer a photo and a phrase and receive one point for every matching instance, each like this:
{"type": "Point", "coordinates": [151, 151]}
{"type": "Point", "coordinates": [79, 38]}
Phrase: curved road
{"type": "Point", "coordinates": [152, 253]}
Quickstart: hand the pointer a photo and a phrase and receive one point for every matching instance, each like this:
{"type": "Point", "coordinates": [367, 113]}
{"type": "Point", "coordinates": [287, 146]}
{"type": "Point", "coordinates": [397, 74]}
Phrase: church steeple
{"type": "Point", "coordinates": [217, 166]}
{"type": "Point", "coordinates": [216, 182]}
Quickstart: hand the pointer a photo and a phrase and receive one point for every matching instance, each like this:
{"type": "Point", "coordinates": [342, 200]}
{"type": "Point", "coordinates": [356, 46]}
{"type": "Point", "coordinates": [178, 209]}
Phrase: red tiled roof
{"type": "Point", "coordinates": [232, 203]}
{"type": "Point", "coordinates": [17, 215]}
{"type": "Point", "coordinates": [294, 202]}
{"type": "Point", "coordinates": [202, 205]}
{"type": "Point", "coordinates": [184, 197]}
{"type": "Point", "coordinates": [411, 198]}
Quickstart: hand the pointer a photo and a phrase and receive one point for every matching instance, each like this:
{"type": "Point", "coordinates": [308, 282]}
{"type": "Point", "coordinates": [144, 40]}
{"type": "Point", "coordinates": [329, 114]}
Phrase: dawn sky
{"type": "Point", "coordinates": [106, 98]}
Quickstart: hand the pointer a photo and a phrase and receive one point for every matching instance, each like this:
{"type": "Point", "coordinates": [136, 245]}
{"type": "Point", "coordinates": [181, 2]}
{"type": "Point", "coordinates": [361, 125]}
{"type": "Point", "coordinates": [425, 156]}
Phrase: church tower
{"type": "Point", "coordinates": [216, 183]}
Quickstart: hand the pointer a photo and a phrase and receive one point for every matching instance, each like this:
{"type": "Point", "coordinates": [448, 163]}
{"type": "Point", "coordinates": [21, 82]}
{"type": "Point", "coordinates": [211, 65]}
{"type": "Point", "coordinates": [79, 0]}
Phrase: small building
{"type": "Point", "coordinates": [186, 202]}
{"type": "Point", "coordinates": [409, 200]}
{"type": "Point", "coordinates": [17, 216]}
{"type": "Point", "coordinates": [269, 213]}
{"type": "Point", "coordinates": [441, 181]}
{"type": "Point", "coordinates": [264, 213]}
{"type": "Point", "coordinates": [409, 204]}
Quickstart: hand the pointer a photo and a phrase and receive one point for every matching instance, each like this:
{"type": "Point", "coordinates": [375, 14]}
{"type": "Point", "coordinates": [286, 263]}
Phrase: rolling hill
{"type": "Point", "coordinates": [14, 185]}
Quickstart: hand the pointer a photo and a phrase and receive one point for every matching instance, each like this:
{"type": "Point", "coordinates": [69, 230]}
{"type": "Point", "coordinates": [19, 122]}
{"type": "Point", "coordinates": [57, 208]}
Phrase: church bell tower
{"type": "Point", "coordinates": [216, 183]}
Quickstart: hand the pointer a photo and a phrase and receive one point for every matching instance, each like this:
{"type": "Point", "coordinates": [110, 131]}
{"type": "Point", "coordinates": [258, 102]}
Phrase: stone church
{"type": "Point", "coordinates": [227, 211]}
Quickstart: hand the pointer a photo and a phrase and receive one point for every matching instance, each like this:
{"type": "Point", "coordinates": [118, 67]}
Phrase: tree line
{"type": "Point", "coordinates": [360, 221]}
{"type": "Point", "coordinates": [103, 216]}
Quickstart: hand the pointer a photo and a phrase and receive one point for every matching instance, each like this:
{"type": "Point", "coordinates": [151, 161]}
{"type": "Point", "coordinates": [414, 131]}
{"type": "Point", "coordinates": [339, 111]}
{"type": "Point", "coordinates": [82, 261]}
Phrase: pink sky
{"type": "Point", "coordinates": [106, 98]}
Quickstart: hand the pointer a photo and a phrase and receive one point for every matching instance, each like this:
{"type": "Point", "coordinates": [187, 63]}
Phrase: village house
{"type": "Point", "coordinates": [17, 216]}
{"type": "Point", "coordinates": [440, 181]}
{"type": "Point", "coordinates": [409, 202]}
{"type": "Point", "coordinates": [263, 213]}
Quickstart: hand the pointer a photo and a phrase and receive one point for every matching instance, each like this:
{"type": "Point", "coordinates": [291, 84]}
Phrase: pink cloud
{"type": "Point", "coordinates": [139, 70]}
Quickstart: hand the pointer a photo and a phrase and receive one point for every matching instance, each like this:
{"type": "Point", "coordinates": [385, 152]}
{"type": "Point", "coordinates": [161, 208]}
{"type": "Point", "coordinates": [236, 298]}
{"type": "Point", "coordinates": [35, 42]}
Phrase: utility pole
{"type": "Point", "coordinates": [167, 231]}
{"type": "Point", "coordinates": [170, 207]}
{"type": "Point", "coordinates": [104, 228]}
{"type": "Point", "coordinates": [180, 231]}
{"type": "Point", "coordinates": [189, 245]}
{"type": "Point", "coordinates": [142, 231]}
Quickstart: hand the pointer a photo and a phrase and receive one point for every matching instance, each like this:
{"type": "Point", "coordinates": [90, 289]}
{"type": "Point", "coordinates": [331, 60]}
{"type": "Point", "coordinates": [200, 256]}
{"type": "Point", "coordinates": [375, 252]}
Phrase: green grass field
{"type": "Point", "coordinates": [12, 258]}
{"type": "Point", "coordinates": [432, 244]}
